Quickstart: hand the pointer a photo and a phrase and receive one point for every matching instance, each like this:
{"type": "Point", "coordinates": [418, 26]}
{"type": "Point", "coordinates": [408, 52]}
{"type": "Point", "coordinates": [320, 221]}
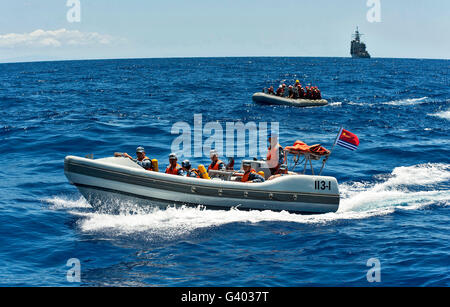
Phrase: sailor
{"type": "Point", "coordinates": [295, 89]}
{"type": "Point", "coordinates": [290, 92]}
{"type": "Point", "coordinates": [174, 168]}
{"type": "Point", "coordinates": [270, 91]}
{"type": "Point", "coordinates": [280, 91]}
{"type": "Point", "coordinates": [275, 154]}
{"type": "Point", "coordinates": [319, 94]}
{"type": "Point", "coordinates": [308, 93]}
{"type": "Point", "coordinates": [283, 171]}
{"type": "Point", "coordinates": [301, 92]}
{"type": "Point", "coordinates": [216, 164]}
{"type": "Point", "coordinates": [188, 172]}
{"type": "Point", "coordinates": [315, 93]}
{"type": "Point", "coordinates": [230, 165]}
{"type": "Point", "coordinates": [142, 160]}
{"type": "Point", "coordinates": [250, 175]}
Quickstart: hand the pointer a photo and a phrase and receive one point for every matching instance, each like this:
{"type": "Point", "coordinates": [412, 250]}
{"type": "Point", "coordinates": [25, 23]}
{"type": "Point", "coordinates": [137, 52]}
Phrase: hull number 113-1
{"type": "Point", "coordinates": [322, 185]}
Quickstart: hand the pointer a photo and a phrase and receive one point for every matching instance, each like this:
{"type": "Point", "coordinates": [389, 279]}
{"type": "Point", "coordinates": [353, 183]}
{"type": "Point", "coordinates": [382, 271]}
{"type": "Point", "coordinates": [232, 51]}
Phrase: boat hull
{"type": "Point", "coordinates": [360, 56]}
{"type": "Point", "coordinates": [263, 98]}
{"type": "Point", "coordinates": [104, 184]}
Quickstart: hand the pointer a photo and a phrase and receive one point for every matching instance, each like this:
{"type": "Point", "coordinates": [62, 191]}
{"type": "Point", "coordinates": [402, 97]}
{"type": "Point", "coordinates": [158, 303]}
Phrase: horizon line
{"type": "Point", "coordinates": [207, 57]}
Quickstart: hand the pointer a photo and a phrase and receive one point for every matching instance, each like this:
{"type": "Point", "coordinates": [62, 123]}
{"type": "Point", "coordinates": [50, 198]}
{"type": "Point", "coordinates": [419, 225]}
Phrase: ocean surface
{"type": "Point", "coordinates": [395, 189]}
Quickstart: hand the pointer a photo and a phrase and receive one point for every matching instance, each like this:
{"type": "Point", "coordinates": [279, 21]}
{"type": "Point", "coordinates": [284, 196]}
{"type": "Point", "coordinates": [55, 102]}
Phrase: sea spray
{"type": "Point", "coordinates": [406, 188]}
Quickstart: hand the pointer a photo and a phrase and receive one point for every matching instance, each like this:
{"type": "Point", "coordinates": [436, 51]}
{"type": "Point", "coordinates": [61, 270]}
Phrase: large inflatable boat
{"type": "Point", "coordinates": [117, 179]}
{"type": "Point", "coordinates": [263, 98]}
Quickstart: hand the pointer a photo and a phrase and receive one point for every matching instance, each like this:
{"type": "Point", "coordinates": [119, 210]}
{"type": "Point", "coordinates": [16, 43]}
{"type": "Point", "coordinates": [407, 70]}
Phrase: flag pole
{"type": "Point", "coordinates": [331, 151]}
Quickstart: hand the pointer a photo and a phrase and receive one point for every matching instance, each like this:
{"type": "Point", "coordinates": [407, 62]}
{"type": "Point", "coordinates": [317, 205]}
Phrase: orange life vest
{"type": "Point", "coordinates": [147, 158]}
{"type": "Point", "coordinates": [246, 175]}
{"type": "Point", "coordinates": [215, 167]}
{"type": "Point", "coordinates": [196, 172]}
{"type": "Point", "coordinates": [144, 158]}
{"type": "Point", "coordinates": [273, 151]}
{"type": "Point", "coordinates": [173, 171]}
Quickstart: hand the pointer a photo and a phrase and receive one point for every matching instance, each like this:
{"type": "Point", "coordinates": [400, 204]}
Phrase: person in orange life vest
{"type": "Point", "coordinates": [301, 92]}
{"type": "Point", "coordinates": [174, 168]}
{"type": "Point", "coordinates": [216, 164]}
{"type": "Point", "coordinates": [250, 175]}
{"type": "Point", "coordinates": [295, 89]}
{"type": "Point", "coordinates": [283, 171]}
{"type": "Point", "coordinates": [316, 92]}
{"type": "Point", "coordinates": [230, 165]}
{"type": "Point", "coordinates": [188, 172]}
{"type": "Point", "coordinates": [142, 160]}
{"type": "Point", "coordinates": [280, 91]}
{"type": "Point", "coordinates": [270, 91]}
{"type": "Point", "coordinates": [319, 94]}
{"type": "Point", "coordinates": [308, 93]}
{"type": "Point", "coordinates": [313, 93]}
{"type": "Point", "coordinates": [283, 86]}
{"type": "Point", "coordinates": [275, 154]}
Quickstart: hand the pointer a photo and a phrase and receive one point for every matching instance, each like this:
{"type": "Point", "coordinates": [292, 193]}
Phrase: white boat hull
{"type": "Point", "coordinates": [107, 181]}
{"type": "Point", "coordinates": [263, 98]}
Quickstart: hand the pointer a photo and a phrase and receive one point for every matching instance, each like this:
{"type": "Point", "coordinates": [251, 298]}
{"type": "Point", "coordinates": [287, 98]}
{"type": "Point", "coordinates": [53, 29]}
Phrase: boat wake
{"type": "Point", "coordinates": [401, 102]}
{"type": "Point", "coordinates": [406, 188]}
{"type": "Point", "coordinates": [407, 102]}
{"type": "Point", "coordinates": [335, 104]}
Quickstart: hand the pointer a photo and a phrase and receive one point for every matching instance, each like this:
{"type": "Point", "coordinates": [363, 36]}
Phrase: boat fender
{"type": "Point", "coordinates": [155, 166]}
{"type": "Point", "coordinates": [203, 172]}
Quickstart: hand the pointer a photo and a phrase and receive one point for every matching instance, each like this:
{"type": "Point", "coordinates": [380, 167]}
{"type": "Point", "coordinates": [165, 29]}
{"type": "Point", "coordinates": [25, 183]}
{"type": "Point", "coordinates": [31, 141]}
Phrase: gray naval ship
{"type": "Point", "coordinates": [358, 48]}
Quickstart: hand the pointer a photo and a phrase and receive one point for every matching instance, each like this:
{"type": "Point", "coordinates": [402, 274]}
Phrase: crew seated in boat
{"type": "Point", "coordinates": [142, 160]}
{"type": "Point", "coordinates": [281, 89]}
{"type": "Point", "coordinates": [301, 92]}
{"type": "Point", "coordinates": [250, 175]}
{"type": "Point", "coordinates": [313, 93]}
{"type": "Point", "coordinates": [174, 168]}
{"type": "Point", "coordinates": [308, 93]}
{"type": "Point", "coordinates": [188, 171]}
{"type": "Point", "coordinates": [290, 92]}
{"type": "Point", "coordinates": [275, 154]}
{"type": "Point", "coordinates": [283, 171]}
{"type": "Point", "coordinates": [295, 94]}
{"type": "Point", "coordinates": [216, 164]}
{"type": "Point", "coordinates": [270, 91]}
{"type": "Point", "coordinates": [316, 93]}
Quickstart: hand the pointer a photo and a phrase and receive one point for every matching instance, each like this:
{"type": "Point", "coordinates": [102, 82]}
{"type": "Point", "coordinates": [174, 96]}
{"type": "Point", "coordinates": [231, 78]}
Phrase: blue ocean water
{"type": "Point", "coordinates": [395, 189]}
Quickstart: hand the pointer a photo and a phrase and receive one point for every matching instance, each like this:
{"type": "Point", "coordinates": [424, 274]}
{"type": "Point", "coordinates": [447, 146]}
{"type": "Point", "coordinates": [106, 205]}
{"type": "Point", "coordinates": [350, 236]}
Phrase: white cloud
{"type": "Point", "coordinates": [55, 39]}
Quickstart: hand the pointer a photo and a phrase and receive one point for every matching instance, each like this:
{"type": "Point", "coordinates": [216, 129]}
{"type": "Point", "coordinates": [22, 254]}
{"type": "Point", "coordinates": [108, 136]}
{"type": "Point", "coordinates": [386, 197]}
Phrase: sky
{"type": "Point", "coordinates": [40, 30]}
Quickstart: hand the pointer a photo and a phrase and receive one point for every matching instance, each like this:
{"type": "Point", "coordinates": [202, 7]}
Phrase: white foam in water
{"type": "Point", "coordinates": [363, 104]}
{"type": "Point", "coordinates": [406, 188]}
{"type": "Point", "coordinates": [443, 114]}
{"type": "Point", "coordinates": [406, 102]}
{"type": "Point", "coordinates": [62, 202]}
{"type": "Point", "coordinates": [335, 104]}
